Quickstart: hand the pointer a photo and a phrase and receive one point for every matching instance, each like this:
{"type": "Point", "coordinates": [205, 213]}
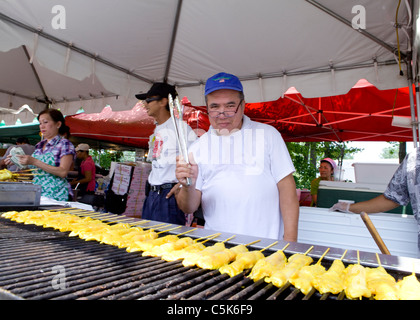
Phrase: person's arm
{"type": "Point", "coordinates": [86, 179]}
{"type": "Point", "coordinates": [375, 205]}
{"type": "Point", "coordinates": [60, 171]}
{"type": "Point", "coordinates": [188, 198]}
{"type": "Point", "coordinates": [289, 206]}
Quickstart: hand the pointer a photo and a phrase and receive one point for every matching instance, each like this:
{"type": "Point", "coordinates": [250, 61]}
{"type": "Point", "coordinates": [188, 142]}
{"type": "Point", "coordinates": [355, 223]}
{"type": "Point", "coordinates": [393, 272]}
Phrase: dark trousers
{"type": "Point", "coordinates": [157, 207]}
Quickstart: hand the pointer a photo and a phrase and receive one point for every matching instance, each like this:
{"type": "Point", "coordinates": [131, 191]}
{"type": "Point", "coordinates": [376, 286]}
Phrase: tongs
{"type": "Point", "coordinates": [180, 127]}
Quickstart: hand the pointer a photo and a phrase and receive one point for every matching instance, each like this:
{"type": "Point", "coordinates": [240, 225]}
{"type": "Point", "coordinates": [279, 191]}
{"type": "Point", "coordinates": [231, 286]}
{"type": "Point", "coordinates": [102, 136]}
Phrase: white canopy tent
{"type": "Point", "coordinates": [89, 53]}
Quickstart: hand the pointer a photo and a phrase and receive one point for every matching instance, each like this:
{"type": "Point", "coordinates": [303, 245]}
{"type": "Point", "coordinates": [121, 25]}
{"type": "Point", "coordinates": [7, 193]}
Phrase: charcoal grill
{"type": "Point", "coordinates": [32, 257]}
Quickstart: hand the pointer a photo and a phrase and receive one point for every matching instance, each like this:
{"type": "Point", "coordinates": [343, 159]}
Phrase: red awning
{"type": "Point", "coordinates": [363, 114]}
{"type": "Point", "coordinates": [131, 128]}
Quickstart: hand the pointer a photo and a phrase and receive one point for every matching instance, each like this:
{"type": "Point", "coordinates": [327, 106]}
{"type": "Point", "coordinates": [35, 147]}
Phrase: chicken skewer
{"type": "Point", "coordinates": [303, 279]}
{"type": "Point", "coordinates": [281, 277]}
{"type": "Point", "coordinates": [148, 245]}
{"type": "Point", "coordinates": [332, 281]}
{"type": "Point", "coordinates": [355, 285]}
{"type": "Point", "coordinates": [143, 244]}
{"type": "Point", "coordinates": [180, 254]}
{"type": "Point", "coordinates": [191, 258]}
{"type": "Point", "coordinates": [245, 260]}
{"type": "Point", "coordinates": [218, 259]}
{"type": "Point", "coordinates": [409, 288]}
{"type": "Point", "coordinates": [266, 266]}
{"type": "Point", "coordinates": [381, 284]}
{"type": "Point", "coordinates": [160, 250]}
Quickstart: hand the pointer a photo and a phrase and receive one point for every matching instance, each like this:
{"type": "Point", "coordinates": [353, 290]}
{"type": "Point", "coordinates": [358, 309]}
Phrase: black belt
{"type": "Point", "coordinates": [162, 186]}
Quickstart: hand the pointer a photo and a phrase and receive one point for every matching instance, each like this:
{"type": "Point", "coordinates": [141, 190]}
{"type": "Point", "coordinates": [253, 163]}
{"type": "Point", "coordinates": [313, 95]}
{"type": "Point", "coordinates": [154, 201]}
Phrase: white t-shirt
{"type": "Point", "coordinates": [163, 149]}
{"type": "Point", "coordinates": [238, 175]}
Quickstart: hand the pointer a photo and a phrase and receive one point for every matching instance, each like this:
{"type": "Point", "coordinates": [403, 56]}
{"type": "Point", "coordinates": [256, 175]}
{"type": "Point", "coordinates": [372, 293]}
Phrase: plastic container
{"type": "Point", "coordinates": [377, 173]}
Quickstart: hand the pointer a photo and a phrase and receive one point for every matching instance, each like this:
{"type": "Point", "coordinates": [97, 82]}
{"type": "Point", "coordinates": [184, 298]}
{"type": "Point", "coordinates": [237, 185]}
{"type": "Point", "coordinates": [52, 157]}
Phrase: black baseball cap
{"type": "Point", "coordinates": [159, 89]}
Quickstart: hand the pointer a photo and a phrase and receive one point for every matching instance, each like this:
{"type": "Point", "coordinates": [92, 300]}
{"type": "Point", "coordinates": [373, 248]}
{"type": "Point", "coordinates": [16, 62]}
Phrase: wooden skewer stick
{"type": "Point", "coordinates": [25, 170]}
{"type": "Point", "coordinates": [284, 248]}
{"type": "Point", "coordinates": [269, 246]}
{"type": "Point", "coordinates": [323, 255]}
{"type": "Point", "coordinates": [181, 234]}
{"type": "Point", "coordinates": [307, 251]}
{"type": "Point", "coordinates": [137, 223]}
{"type": "Point", "coordinates": [158, 225]}
{"type": "Point", "coordinates": [211, 237]}
{"type": "Point", "coordinates": [251, 243]}
{"type": "Point", "coordinates": [169, 230]}
{"type": "Point", "coordinates": [228, 239]}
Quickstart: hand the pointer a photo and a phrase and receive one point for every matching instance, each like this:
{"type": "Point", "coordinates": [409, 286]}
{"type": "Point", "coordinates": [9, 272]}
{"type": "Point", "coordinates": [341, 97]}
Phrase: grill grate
{"type": "Point", "coordinates": [29, 255]}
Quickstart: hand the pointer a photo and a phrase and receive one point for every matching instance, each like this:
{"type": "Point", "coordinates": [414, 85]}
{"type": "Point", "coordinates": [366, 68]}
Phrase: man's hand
{"type": "Point", "coordinates": [186, 170]}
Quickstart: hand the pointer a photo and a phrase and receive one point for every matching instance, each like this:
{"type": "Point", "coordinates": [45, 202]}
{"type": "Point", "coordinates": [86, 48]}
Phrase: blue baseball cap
{"type": "Point", "coordinates": [223, 80]}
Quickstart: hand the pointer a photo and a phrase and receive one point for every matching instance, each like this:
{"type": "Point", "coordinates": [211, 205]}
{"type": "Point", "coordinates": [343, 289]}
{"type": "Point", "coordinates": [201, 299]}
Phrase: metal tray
{"type": "Point", "coordinates": [15, 194]}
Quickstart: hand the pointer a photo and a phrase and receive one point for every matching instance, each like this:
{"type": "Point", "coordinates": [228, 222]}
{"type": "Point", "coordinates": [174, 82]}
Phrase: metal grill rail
{"type": "Point", "coordinates": [29, 253]}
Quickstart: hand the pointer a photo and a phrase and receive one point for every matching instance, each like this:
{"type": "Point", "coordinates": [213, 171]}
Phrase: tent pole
{"type": "Point", "coordinates": [413, 112]}
{"type": "Point", "coordinates": [416, 84]}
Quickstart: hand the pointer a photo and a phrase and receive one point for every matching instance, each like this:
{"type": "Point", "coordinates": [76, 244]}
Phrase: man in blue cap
{"type": "Point", "coordinates": [240, 170]}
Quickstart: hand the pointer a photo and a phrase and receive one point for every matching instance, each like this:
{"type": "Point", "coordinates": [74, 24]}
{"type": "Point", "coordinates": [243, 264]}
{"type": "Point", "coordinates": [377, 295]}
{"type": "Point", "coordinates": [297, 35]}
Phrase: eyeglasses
{"type": "Point", "coordinates": [230, 110]}
{"type": "Point", "coordinates": [148, 100]}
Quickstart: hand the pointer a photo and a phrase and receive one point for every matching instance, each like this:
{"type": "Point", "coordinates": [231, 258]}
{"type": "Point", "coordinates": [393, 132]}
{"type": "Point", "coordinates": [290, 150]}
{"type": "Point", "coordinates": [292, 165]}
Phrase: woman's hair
{"type": "Point", "coordinates": [57, 116]}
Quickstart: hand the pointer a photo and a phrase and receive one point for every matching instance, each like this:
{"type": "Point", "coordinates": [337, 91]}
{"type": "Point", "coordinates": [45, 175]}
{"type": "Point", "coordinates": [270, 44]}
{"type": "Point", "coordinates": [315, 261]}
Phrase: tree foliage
{"type": "Point", "coordinates": [307, 155]}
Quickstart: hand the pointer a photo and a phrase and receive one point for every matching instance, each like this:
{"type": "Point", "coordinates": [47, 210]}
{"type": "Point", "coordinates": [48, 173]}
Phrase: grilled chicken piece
{"type": "Point", "coordinates": [160, 250]}
{"type": "Point", "coordinates": [192, 258]}
{"type": "Point", "coordinates": [409, 288]}
{"type": "Point", "coordinates": [243, 261]}
{"type": "Point", "coordinates": [381, 284]}
{"type": "Point", "coordinates": [303, 279]}
{"type": "Point", "coordinates": [218, 259]}
{"type": "Point", "coordinates": [332, 280]}
{"type": "Point", "coordinates": [295, 262]}
{"type": "Point", "coordinates": [266, 266]}
{"type": "Point", "coordinates": [355, 285]}
{"type": "Point", "coordinates": [182, 253]}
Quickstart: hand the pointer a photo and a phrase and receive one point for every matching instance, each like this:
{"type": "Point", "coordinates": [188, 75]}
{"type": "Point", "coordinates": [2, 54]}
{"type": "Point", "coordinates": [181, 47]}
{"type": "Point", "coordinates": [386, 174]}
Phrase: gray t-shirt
{"type": "Point", "coordinates": [404, 186]}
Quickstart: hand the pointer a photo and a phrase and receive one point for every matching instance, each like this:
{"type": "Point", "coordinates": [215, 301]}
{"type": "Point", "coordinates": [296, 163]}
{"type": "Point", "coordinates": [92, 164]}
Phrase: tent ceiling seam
{"type": "Point", "coordinates": [173, 38]}
{"type": "Point", "coordinates": [38, 80]}
{"type": "Point", "coordinates": [302, 72]}
{"type": "Point", "coordinates": [361, 31]}
{"type": "Point", "coordinates": [73, 47]}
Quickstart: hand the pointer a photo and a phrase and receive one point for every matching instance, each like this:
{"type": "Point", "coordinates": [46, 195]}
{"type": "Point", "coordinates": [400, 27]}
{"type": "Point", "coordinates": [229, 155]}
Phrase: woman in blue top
{"type": "Point", "coordinates": [53, 156]}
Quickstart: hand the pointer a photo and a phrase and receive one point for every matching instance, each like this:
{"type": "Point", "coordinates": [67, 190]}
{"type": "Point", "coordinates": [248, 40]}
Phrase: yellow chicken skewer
{"type": "Point", "coordinates": [245, 260]}
{"type": "Point", "coordinates": [266, 266]}
{"type": "Point", "coordinates": [332, 281]}
{"type": "Point", "coordinates": [303, 279]}
{"type": "Point", "coordinates": [381, 284]}
{"type": "Point", "coordinates": [409, 287]}
{"type": "Point", "coordinates": [281, 277]}
{"type": "Point", "coordinates": [192, 258]}
{"type": "Point", "coordinates": [179, 254]}
{"type": "Point", "coordinates": [218, 259]}
{"type": "Point", "coordinates": [355, 286]}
